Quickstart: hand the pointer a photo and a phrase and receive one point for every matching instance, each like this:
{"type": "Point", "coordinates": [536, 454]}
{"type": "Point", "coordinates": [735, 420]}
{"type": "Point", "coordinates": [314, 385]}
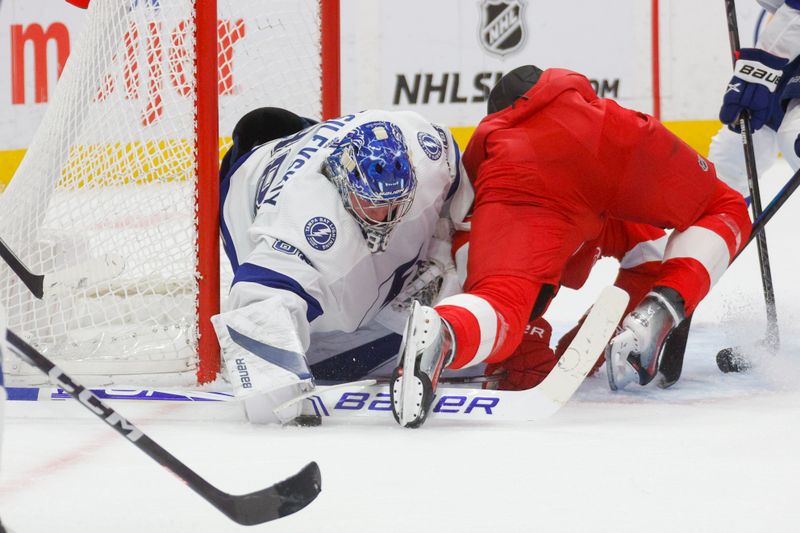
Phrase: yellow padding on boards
{"type": "Point", "coordinates": [117, 163]}
{"type": "Point", "coordinates": [154, 160]}
{"type": "Point", "coordinates": [9, 161]}
{"type": "Point", "coordinates": [695, 133]}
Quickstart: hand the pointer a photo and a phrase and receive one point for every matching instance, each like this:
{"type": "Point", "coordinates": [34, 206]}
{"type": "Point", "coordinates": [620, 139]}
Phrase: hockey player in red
{"type": "Point", "coordinates": [552, 166]}
{"type": "Point", "coordinates": [639, 248]}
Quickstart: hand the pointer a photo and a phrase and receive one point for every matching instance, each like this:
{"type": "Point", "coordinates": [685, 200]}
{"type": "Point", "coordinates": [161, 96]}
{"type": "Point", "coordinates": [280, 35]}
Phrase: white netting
{"type": "Point", "coordinates": [110, 178]}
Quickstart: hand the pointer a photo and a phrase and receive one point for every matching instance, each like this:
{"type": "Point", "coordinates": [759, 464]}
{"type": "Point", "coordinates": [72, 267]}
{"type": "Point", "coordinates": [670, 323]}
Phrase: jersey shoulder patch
{"type": "Point", "coordinates": [430, 145]}
{"type": "Point", "coordinates": [320, 233]}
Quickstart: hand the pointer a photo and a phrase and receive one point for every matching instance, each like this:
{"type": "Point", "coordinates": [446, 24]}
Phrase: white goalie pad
{"type": "Point", "coordinates": [261, 348]}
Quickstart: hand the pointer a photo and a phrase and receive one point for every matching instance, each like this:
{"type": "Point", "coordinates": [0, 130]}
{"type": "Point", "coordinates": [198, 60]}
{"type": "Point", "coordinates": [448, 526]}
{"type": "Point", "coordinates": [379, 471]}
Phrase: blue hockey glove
{"type": "Point", "coordinates": [752, 88]}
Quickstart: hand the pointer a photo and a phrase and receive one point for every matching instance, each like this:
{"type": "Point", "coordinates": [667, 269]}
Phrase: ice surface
{"type": "Point", "coordinates": [714, 453]}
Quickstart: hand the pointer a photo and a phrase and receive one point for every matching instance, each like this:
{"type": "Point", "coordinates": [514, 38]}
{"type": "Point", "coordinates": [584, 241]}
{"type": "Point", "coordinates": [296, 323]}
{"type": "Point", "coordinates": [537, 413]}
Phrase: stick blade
{"type": "Point", "coordinates": [671, 363]}
{"type": "Point", "coordinates": [281, 499]}
{"type": "Point", "coordinates": [581, 355]}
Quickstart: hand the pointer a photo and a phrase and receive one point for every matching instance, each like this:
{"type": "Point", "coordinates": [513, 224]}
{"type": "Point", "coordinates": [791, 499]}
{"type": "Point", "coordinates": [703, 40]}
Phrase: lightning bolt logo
{"type": "Point", "coordinates": [320, 233]}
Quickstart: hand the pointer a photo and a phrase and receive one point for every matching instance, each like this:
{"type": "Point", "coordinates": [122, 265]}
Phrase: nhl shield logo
{"type": "Point", "coordinates": [502, 30]}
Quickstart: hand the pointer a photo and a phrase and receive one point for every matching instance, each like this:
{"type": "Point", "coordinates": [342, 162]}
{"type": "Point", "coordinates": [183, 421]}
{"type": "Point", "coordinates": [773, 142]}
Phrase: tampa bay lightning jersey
{"type": "Point", "coordinates": [771, 5]}
{"type": "Point", "coordinates": [781, 35]}
{"type": "Point", "coordinates": [286, 230]}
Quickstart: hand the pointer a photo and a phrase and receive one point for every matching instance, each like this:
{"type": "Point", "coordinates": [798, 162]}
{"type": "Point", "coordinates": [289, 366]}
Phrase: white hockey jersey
{"type": "Point", "coordinates": [781, 36]}
{"type": "Point", "coordinates": [301, 263]}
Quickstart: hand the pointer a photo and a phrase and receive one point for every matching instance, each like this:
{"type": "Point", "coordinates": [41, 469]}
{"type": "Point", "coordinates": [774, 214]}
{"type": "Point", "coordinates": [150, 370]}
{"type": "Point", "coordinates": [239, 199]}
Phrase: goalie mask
{"type": "Point", "coordinates": [371, 168]}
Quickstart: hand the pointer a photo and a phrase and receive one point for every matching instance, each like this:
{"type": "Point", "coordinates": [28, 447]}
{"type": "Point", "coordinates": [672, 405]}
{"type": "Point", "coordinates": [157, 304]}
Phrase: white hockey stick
{"type": "Point", "coordinates": [368, 399]}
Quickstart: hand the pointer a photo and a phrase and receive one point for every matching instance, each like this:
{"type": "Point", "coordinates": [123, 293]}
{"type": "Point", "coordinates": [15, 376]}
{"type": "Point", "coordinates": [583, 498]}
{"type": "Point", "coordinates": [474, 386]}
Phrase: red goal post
{"type": "Point", "coordinates": [208, 162]}
{"type": "Point", "coordinates": [125, 165]}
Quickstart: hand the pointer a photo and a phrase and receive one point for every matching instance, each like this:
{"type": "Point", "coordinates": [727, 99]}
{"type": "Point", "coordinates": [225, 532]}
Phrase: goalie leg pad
{"type": "Point", "coordinates": [275, 407]}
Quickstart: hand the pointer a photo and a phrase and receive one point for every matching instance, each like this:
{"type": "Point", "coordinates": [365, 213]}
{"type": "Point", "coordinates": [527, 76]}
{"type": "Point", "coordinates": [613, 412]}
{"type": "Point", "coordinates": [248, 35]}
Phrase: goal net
{"type": "Point", "coordinates": [116, 201]}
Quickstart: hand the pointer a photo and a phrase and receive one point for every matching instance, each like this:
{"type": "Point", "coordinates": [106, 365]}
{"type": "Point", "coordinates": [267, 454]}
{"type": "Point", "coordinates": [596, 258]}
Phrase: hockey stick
{"type": "Point", "coordinates": [728, 359]}
{"type": "Point", "coordinates": [777, 202]}
{"type": "Point", "coordinates": [368, 399]}
{"type": "Point", "coordinates": [733, 359]}
{"type": "Point", "coordinates": [34, 282]}
{"type": "Point", "coordinates": [80, 276]}
{"type": "Point", "coordinates": [281, 499]}
{"type": "Point", "coordinates": [773, 338]}
{"type": "Point", "coordinates": [454, 380]}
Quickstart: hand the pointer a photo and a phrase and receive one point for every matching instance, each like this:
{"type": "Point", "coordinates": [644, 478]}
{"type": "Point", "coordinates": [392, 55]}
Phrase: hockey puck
{"type": "Point", "coordinates": [732, 360]}
{"type": "Point", "coordinates": [307, 421]}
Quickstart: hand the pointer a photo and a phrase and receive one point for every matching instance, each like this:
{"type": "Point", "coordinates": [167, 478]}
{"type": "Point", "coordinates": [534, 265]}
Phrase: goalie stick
{"type": "Point", "coordinates": [80, 276]}
{"type": "Point", "coordinates": [369, 399]}
{"type": "Point", "coordinates": [281, 499]}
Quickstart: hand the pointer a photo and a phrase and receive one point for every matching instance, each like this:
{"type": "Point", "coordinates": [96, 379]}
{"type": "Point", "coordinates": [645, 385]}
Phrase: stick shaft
{"type": "Point", "coordinates": [35, 283]}
{"type": "Point", "coordinates": [278, 500]}
{"type": "Point", "coordinates": [755, 193]}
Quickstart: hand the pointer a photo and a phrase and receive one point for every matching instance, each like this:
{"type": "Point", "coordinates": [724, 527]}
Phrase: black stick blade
{"type": "Point", "coordinates": [34, 282]}
{"type": "Point", "coordinates": [281, 499]}
{"type": "Point", "coordinates": [671, 363]}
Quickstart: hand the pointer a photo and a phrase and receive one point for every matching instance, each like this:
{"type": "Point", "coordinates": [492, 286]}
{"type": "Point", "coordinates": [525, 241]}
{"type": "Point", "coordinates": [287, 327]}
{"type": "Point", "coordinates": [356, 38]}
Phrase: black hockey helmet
{"type": "Point", "coordinates": [511, 86]}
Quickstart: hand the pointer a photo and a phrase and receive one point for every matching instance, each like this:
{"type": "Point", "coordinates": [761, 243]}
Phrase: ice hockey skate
{"type": "Point", "coordinates": [633, 355]}
{"type": "Point", "coordinates": [427, 348]}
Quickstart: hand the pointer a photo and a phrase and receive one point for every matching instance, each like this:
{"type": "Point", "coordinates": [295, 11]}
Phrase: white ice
{"type": "Point", "coordinates": [716, 452]}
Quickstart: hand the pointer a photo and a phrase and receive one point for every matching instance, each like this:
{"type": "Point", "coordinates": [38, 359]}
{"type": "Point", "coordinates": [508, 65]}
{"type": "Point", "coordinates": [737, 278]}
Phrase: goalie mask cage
{"type": "Point", "coordinates": [117, 197]}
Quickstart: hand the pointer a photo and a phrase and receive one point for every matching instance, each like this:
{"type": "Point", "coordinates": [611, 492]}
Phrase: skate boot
{"type": "Point", "coordinates": [427, 348]}
{"type": "Point", "coordinates": [634, 353]}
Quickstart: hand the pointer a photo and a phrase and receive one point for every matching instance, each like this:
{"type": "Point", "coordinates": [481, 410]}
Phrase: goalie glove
{"type": "Point", "coordinates": [436, 276]}
{"type": "Point", "coordinates": [752, 89]}
{"type": "Point", "coordinates": [424, 287]}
